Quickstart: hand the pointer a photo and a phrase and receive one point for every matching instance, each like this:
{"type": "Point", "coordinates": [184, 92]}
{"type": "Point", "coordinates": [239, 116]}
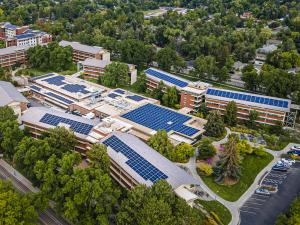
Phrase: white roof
{"type": "Point", "coordinates": [12, 49]}
{"type": "Point", "coordinates": [9, 94]}
{"type": "Point", "coordinates": [81, 47]}
{"type": "Point", "coordinates": [176, 175]}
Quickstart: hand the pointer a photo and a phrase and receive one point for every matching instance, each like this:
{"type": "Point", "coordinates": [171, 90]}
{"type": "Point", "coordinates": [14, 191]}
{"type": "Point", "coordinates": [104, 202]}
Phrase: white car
{"type": "Point", "coordinates": [288, 161]}
{"type": "Point", "coordinates": [297, 148]}
{"type": "Point", "coordinates": [262, 191]}
{"type": "Point", "coordinates": [283, 163]}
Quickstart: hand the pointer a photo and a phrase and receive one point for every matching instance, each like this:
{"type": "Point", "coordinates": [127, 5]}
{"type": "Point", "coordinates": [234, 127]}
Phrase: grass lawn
{"type": "Point", "coordinates": [251, 166]}
{"type": "Point", "coordinates": [218, 208]}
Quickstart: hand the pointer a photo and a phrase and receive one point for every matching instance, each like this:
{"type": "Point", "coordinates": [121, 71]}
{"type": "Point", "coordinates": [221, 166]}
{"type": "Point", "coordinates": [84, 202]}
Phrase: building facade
{"type": "Point", "coordinates": [82, 52]}
{"type": "Point", "coordinates": [12, 55]}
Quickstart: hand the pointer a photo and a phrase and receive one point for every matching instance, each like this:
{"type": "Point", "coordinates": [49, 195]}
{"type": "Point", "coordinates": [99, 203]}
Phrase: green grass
{"type": "Point", "coordinates": [251, 166]}
{"type": "Point", "coordinates": [218, 208]}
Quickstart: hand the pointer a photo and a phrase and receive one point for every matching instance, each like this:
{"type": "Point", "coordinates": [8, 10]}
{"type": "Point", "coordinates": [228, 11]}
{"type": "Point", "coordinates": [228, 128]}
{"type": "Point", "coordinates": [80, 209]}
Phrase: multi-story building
{"type": "Point", "coordinates": [94, 68]}
{"type": "Point", "coordinates": [12, 55]}
{"type": "Point", "coordinates": [191, 93]}
{"type": "Point", "coordinates": [10, 96]}
{"type": "Point", "coordinates": [82, 52]}
{"type": "Point", "coordinates": [22, 36]}
{"type": "Point", "coordinates": [271, 110]}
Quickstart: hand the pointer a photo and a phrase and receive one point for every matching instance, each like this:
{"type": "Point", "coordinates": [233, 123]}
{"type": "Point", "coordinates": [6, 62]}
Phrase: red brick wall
{"type": "Point", "coordinates": [186, 100]}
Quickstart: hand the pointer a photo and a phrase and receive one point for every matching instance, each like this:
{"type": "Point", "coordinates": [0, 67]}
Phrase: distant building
{"type": "Point", "coordinates": [271, 110]}
{"type": "Point", "coordinates": [94, 68]}
{"type": "Point", "coordinates": [191, 93]}
{"type": "Point", "coordinates": [82, 52]}
{"type": "Point", "coordinates": [12, 55]}
{"type": "Point", "coordinates": [22, 36]}
{"type": "Point", "coordinates": [10, 96]}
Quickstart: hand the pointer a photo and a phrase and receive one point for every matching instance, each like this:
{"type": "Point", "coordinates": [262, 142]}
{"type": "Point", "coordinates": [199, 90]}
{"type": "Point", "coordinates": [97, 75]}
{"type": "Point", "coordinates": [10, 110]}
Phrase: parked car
{"type": "Point", "coordinates": [262, 191]}
{"type": "Point", "coordinates": [294, 152]}
{"type": "Point", "coordinates": [280, 168]}
{"type": "Point", "coordinates": [289, 161]}
{"type": "Point", "coordinates": [297, 148]}
{"type": "Point", "coordinates": [283, 163]}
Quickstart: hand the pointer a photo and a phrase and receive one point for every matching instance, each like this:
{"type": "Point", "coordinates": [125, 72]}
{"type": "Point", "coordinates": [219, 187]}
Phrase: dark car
{"type": "Point", "coordinates": [280, 168]}
{"type": "Point", "coordinates": [294, 152]}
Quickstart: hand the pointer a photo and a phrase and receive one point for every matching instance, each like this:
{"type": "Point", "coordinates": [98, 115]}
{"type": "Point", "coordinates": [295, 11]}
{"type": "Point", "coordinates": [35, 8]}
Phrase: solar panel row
{"type": "Point", "coordinates": [159, 118]}
{"type": "Point", "coordinates": [35, 88]}
{"type": "Point", "coordinates": [120, 91]}
{"type": "Point", "coordinates": [62, 99]}
{"type": "Point", "coordinates": [78, 127]}
{"type": "Point", "coordinates": [57, 80]}
{"type": "Point", "coordinates": [166, 77]}
{"type": "Point", "coordinates": [136, 98]}
{"type": "Point", "coordinates": [139, 164]}
{"type": "Point", "coordinates": [75, 88]}
{"type": "Point", "coordinates": [113, 95]}
{"type": "Point", "coordinates": [248, 98]}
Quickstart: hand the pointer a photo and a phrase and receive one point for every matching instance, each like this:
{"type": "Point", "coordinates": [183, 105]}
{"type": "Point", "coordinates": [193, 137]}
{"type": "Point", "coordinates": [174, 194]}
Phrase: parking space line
{"type": "Point", "coordinates": [261, 196]}
{"type": "Point", "coordinates": [248, 212]}
{"type": "Point", "coordinates": [250, 207]}
{"type": "Point", "coordinates": [255, 203]}
{"type": "Point", "coordinates": [262, 200]}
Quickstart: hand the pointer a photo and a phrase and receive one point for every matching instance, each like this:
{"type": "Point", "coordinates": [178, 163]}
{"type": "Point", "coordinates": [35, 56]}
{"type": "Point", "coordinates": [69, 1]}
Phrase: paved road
{"type": "Point", "coordinates": [234, 207]}
{"type": "Point", "coordinates": [261, 210]}
{"type": "Point", "coordinates": [21, 184]}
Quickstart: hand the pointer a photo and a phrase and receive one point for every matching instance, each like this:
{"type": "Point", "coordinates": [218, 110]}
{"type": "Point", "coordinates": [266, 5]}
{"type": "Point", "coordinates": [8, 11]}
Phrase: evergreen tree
{"type": "Point", "coordinates": [215, 126]}
{"type": "Point", "coordinates": [231, 114]}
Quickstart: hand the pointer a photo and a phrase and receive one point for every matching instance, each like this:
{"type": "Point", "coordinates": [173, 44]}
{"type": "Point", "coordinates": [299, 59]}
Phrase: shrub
{"type": "Point", "coordinates": [205, 169]}
{"type": "Point", "coordinates": [259, 151]}
{"type": "Point", "coordinates": [215, 217]}
{"type": "Point", "coordinates": [206, 149]}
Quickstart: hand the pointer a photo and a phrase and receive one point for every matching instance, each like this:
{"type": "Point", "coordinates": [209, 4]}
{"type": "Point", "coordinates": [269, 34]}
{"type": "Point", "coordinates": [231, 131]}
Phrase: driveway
{"type": "Point", "coordinates": [263, 210]}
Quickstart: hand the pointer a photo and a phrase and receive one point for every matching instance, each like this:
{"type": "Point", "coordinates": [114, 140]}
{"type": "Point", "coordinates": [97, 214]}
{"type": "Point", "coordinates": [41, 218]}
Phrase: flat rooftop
{"type": "Point", "coordinates": [143, 163]}
{"type": "Point", "coordinates": [156, 117]}
{"type": "Point", "coordinates": [49, 118]}
{"type": "Point", "coordinates": [250, 99]}
{"type": "Point", "coordinates": [81, 47]}
{"type": "Point", "coordinates": [66, 86]}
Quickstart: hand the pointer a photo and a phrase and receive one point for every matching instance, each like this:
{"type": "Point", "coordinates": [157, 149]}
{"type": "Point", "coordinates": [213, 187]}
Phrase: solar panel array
{"type": "Point", "coordinates": [113, 95]}
{"type": "Point", "coordinates": [138, 163]}
{"type": "Point", "coordinates": [35, 88]}
{"type": "Point", "coordinates": [136, 98]}
{"type": "Point", "coordinates": [248, 98]}
{"type": "Point", "coordinates": [119, 91]}
{"type": "Point", "coordinates": [159, 118]}
{"type": "Point", "coordinates": [74, 88]}
{"type": "Point", "coordinates": [78, 127]}
{"type": "Point", "coordinates": [62, 99]}
{"type": "Point", "coordinates": [166, 77]}
{"type": "Point", "coordinates": [57, 80]}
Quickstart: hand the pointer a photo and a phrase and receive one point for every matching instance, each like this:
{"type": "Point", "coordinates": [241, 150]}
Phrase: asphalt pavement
{"type": "Point", "coordinates": [263, 210]}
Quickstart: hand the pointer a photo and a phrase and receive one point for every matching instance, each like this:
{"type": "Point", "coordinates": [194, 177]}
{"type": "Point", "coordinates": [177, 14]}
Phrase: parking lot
{"type": "Point", "coordinates": [262, 209]}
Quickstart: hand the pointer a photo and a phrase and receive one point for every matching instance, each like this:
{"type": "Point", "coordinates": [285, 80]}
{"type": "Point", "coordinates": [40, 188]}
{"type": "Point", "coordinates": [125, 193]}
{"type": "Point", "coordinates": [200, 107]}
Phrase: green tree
{"type": "Point", "coordinates": [170, 97]}
{"type": "Point", "coordinates": [167, 57]}
{"type": "Point", "coordinates": [215, 126]}
{"type": "Point", "coordinates": [251, 78]}
{"type": "Point", "coordinates": [115, 74]}
{"type": "Point", "coordinates": [230, 116]}
{"type": "Point", "coordinates": [6, 114]}
{"type": "Point", "coordinates": [205, 66]}
{"type": "Point", "coordinates": [206, 150]}
{"type": "Point", "coordinates": [244, 147]}
{"type": "Point", "coordinates": [158, 92]}
{"type": "Point", "coordinates": [253, 117]}
{"type": "Point", "coordinates": [157, 205]}
{"type": "Point", "coordinates": [228, 167]}
{"type": "Point", "coordinates": [183, 152]}
{"type": "Point", "coordinates": [98, 157]}
{"type": "Point", "coordinates": [140, 85]}
{"type": "Point", "coordinates": [16, 208]}
{"type": "Point", "coordinates": [161, 143]}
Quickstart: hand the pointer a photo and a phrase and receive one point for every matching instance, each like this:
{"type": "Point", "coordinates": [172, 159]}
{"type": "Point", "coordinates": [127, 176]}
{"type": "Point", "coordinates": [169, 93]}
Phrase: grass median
{"type": "Point", "coordinates": [251, 166]}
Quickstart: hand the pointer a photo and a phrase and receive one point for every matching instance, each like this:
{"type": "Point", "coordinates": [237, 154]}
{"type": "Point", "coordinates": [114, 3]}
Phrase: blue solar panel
{"type": "Point", "coordinates": [113, 95]}
{"type": "Point", "coordinates": [35, 88]}
{"type": "Point", "coordinates": [120, 91]}
{"type": "Point", "coordinates": [58, 80]}
{"type": "Point", "coordinates": [138, 163]}
{"type": "Point", "coordinates": [136, 98]}
{"type": "Point", "coordinates": [74, 88]}
{"type": "Point", "coordinates": [159, 118]}
{"type": "Point", "coordinates": [249, 98]}
{"type": "Point", "coordinates": [78, 127]}
{"type": "Point", "coordinates": [62, 99]}
{"type": "Point", "coordinates": [166, 77]}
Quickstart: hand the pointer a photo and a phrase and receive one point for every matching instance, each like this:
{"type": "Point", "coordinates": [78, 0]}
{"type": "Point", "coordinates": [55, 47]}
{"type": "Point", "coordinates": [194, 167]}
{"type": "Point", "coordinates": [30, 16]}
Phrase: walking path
{"type": "Point", "coordinates": [235, 206]}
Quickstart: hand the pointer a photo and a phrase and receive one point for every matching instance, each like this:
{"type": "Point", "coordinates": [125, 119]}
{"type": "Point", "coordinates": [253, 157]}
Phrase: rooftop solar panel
{"type": "Point", "coordinates": [137, 162]}
{"type": "Point", "coordinates": [120, 91]}
{"type": "Point", "coordinates": [75, 88]}
{"type": "Point", "coordinates": [57, 80]}
{"type": "Point", "coordinates": [159, 118]}
{"type": "Point", "coordinates": [113, 95]}
{"type": "Point", "coordinates": [35, 88]}
{"type": "Point", "coordinates": [248, 98]}
{"type": "Point", "coordinates": [62, 99]}
{"type": "Point", "coordinates": [136, 98]}
{"type": "Point", "coordinates": [78, 127]}
{"type": "Point", "coordinates": [165, 77]}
